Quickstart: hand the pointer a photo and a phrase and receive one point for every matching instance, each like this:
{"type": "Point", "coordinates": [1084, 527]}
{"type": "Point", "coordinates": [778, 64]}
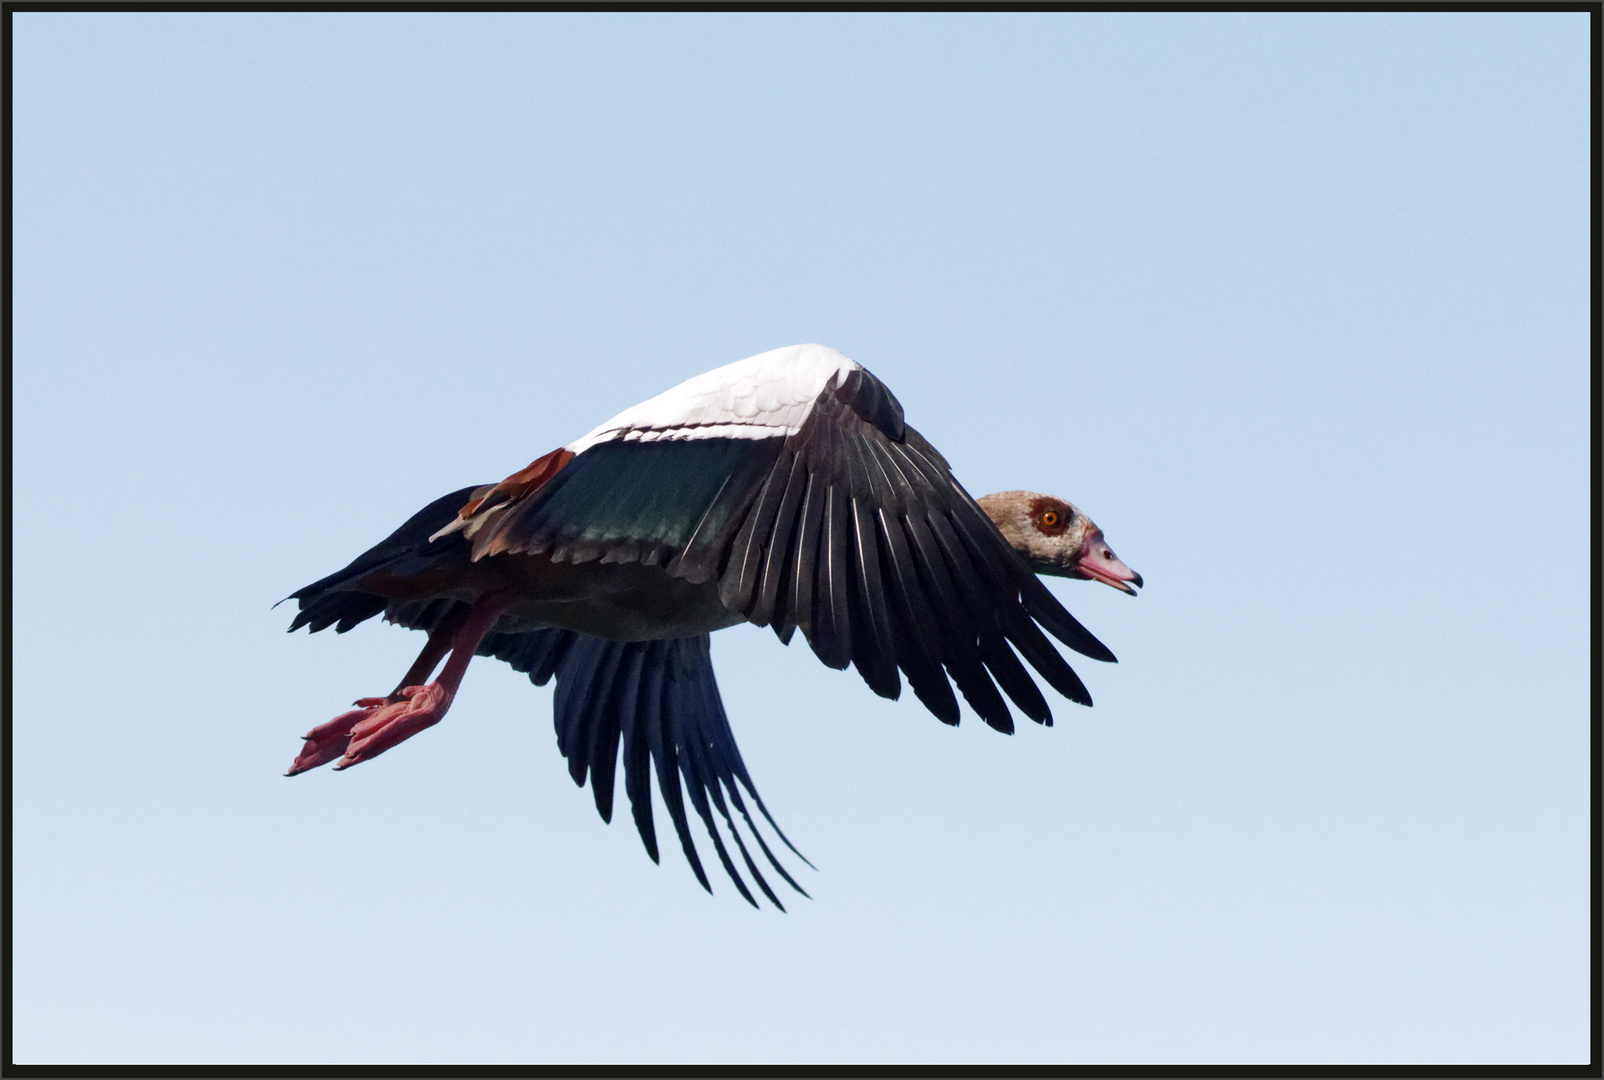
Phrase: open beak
{"type": "Point", "coordinates": [1101, 564]}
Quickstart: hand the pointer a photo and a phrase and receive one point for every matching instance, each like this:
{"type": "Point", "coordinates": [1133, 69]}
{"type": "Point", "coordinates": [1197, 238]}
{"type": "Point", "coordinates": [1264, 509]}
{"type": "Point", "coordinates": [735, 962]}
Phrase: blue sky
{"type": "Point", "coordinates": [1295, 306]}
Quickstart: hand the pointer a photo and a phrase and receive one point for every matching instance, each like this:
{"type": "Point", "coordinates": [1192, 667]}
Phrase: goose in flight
{"type": "Point", "coordinates": [784, 490]}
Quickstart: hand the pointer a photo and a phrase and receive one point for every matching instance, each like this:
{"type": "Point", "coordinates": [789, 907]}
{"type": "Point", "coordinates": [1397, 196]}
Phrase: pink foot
{"type": "Point", "coordinates": [372, 728]}
{"type": "Point", "coordinates": [424, 707]}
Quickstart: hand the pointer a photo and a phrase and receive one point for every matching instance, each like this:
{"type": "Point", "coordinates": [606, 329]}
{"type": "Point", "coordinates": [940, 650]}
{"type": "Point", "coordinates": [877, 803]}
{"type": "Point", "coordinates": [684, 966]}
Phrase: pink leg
{"type": "Point", "coordinates": [380, 723]}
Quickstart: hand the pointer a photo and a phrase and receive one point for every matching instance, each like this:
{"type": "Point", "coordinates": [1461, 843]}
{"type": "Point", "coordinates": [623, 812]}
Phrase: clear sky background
{"type": "Point", "coordinates": [1295, 306]}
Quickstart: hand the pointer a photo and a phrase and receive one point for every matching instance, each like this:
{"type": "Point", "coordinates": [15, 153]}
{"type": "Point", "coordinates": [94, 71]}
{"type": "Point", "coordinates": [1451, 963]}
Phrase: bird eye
{"type": "Point", "coordinates": [1050, 518]}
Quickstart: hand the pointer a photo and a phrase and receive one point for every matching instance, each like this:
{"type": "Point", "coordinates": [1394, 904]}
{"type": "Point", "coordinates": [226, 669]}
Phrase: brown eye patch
{"type": "Point", "coordinates": [1050, 516]}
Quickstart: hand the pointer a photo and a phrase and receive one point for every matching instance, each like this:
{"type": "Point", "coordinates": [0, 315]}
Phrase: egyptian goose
{"type": "Point", "coordinates": [783, 490]}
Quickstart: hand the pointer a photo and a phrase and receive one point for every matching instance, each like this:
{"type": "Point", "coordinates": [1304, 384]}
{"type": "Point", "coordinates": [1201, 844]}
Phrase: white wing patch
{"type": "Point", "coordinates": [763, 396]}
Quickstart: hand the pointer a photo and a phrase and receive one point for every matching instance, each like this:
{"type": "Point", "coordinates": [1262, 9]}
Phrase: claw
{"type": "Point", "coordinates": [328, 741]}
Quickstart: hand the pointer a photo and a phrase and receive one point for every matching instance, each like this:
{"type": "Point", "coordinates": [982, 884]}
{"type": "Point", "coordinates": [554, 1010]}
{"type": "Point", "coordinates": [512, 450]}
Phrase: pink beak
{"type": "Point", "coordinates": [1101, 564]}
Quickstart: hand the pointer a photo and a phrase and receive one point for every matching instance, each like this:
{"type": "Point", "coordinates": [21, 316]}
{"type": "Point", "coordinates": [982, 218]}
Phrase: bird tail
{"type": "Point", "coordinates": [338, 600]}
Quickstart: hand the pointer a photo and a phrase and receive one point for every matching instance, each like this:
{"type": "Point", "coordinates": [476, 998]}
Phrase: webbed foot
{"type": "Point", "coordinates": [373, 727]}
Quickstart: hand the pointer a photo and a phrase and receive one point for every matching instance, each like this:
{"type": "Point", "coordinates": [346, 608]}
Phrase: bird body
{"type": "Point", "coordinates": [784, 490]}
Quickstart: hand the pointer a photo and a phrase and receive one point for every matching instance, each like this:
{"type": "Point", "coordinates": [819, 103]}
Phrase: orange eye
{"type": "Point", "coordinates": [1050, 518]}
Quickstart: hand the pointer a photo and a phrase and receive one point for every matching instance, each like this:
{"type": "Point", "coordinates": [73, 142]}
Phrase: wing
{"type": "Point", "coordinates": [658, 700]}
{"type": "Point", "coordinates": [831, 516]}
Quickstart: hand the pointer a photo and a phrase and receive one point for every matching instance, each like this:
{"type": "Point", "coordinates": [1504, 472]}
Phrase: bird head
{"type": "Point", "coordinates": [1056, 538]}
